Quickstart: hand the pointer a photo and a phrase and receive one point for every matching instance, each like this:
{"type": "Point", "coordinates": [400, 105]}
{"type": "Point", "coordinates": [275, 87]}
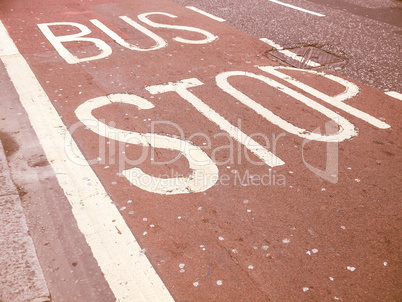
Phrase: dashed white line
{"type": "Point", "coordinates": [297, 8]}
{"type": "Point", "coordinates": [271, 43]}
{"type": "Point", "coordinates": [394, 94]}
{"type": "Point", "coordinates": [128, 271]}
{"type": "Point", "coordinates": [289, 53]}
{"type": "Point", "coordinates": [206, 14]}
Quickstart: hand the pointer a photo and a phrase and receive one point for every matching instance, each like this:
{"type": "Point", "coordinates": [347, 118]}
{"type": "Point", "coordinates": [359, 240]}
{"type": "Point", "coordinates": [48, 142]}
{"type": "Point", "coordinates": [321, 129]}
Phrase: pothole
{"type": "Point", "coordinates": [308, 57]}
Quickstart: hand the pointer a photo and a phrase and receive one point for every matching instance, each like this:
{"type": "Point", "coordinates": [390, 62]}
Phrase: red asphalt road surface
{"type": "Point", "coordinates": [260, 233]}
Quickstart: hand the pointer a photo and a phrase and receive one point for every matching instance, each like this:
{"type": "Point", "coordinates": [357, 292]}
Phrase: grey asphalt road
{"type": "Point", "coordinates": [367, 34]}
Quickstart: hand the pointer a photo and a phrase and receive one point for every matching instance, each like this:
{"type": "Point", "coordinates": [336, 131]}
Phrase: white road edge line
{"type": "Point", "coordinates": [289, 53]}
{"type": "Point", "coordinates": [394, 94]}
{"type": "Point", "coordinates": [128, 271]}
{"type": "Point", "coordinates": [206, 14]}
{"type": "Point", "coordinates": [298, 8]}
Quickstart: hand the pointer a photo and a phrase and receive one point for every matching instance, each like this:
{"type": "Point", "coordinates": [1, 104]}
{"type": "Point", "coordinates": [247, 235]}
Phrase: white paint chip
{"type": "Point", "coordinates": [219, 282]}
{"type": "Point", "coordinates": [250, 267]}
{"type": "Point", "coordinates": [351, 268]}
{"type": "Point", "coordinates": [305, 289]}
{"type": "Point", "coordinates": [221, 238]}
{"type": "Point", "coordinates": [195, 284]}
{"type": "Point", "coordinates": [286, 240]}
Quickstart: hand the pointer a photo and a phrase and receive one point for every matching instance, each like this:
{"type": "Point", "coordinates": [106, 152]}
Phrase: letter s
{"type": "Point", "coordinates": [205, 171]}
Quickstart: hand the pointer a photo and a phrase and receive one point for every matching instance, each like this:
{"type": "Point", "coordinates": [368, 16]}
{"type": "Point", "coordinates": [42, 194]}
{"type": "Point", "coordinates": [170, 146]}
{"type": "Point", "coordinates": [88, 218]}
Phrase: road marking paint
{"type": "Point", "coordinates": [271, 43]}
{"type": "Point", "coordinates": [208, 36]}
{"type": "Point", "coordinates": [297, 8]}
{"type": "Point", "coordinates": [346, 129]}
{"type": "Point", "coordinates": [206, 14]}
{"type": "Point", "coordinates": [394, 94]}
{"type": "Point", "coordinates": [104, 49]}
{"type": "Point", "coordinates": [57, 41]}
{"type": "Point", "coordinates": [289, 53]}
{"type": "Point", "coordinates": [181, 88]}
{"type": "Point", "coordinates": [351, 90]}
{"type": "Point", "coordinates": [159, 42]}
{"type": "Point", "coordinates": [205, 172]}
{"type": "Point", "coordinates": [7, 46]}
{"type": "Point", "coordinates": [128, 271]}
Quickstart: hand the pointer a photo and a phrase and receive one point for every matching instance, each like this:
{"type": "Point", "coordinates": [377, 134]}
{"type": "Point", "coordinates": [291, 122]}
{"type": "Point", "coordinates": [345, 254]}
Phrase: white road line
{"type": "Point", "coordinates": [128, 271]}
{"type": "Point", "coordinates": [298, 8]}
{"type": "Point", "coordinates": [394, 94]}
{"type": "Point", "coordinates": [289, 53]}
{"type": "Point", "coordinates": [206, 14]}
{"type": "Point", "coordinates": [271, 43]}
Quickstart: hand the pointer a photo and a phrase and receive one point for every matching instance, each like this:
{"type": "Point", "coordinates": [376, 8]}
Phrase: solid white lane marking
{"type": "Point", "coordinates": [289, 53]}
{"type": "Point", "coordinates": [128, 271]}
{"type": "Point", "coordinates": [7, 46]}
{"type": "Point", "coordinates": [297, 8]}
{"type": "Point", "coordinates": [206, 14]}
{"type": "Point", "coordinates": [394, 94]}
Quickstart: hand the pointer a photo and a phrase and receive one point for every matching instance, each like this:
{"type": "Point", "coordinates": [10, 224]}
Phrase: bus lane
{"type": "Point", "coordinates": [238, 178]}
